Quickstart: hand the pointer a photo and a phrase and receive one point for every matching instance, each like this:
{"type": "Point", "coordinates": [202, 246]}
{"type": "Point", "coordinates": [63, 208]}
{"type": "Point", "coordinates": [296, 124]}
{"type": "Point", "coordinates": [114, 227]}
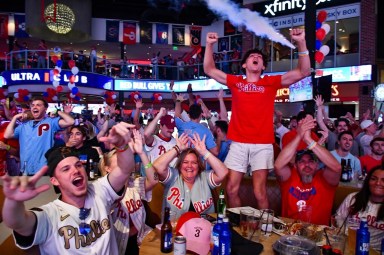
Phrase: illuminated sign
{"type": "Point", "coordinates": [46, 77]}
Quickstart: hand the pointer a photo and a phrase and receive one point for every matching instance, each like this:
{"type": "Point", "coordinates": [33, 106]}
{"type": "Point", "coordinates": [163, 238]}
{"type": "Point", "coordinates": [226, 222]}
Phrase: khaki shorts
{"type": "Point", "coordinates": [258, 156]}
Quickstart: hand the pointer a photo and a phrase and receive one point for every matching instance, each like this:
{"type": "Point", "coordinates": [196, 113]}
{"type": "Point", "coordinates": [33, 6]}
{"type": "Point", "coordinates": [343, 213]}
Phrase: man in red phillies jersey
{"type": "Point", "coordinates": [36, 136]}
{"type": "Point", "coordinates": [251, 125]}
{"type": "Point", "coordinates": [160, 143]}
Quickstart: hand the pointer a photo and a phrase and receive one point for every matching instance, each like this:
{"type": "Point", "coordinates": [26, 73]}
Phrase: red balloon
{"type": "Point", "coordinates": [55, 72]}
{"type": "Point", "coordinates": [71, 63]}
{"type": "Point", "coordinates": [320, 34]}
{"type": "Point", "coordinates": [319, 57]}
{"type": "Point", "coordinates": [54, 59]}
{"type": "Point", "coordinates": [72, 79]}
{"type": "Point", "coordinates": [322, 16]}
{"type": "Point", "coordinates": [59, 88]}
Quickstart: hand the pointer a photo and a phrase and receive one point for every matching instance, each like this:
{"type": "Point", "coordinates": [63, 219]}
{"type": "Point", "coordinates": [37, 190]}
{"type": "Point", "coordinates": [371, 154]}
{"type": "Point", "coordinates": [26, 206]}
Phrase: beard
{"type": "Point", "coordinates": [307, 178]}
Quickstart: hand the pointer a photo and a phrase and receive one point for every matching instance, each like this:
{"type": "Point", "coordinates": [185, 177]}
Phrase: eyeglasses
{"type": "Point", "coordinates": [85, 228]}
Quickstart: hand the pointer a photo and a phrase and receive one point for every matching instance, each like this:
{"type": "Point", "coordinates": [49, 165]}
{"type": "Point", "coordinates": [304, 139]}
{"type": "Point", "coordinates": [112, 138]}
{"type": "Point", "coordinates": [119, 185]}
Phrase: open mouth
{"type": "Point", "coordinates": [78, 181]}
{"type": "Point", "coordinates": [255, 62]}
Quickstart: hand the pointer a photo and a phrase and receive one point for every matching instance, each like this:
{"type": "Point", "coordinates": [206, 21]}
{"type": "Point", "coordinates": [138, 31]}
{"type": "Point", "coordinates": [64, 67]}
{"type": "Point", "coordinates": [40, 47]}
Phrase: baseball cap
{"type": "Point", "coordinates": [301, 153]}
{"type": "Point", "coordinates": [168, 121]}
{"type": "Point", "coordinates": [366, 123]}
{"type": "Point", "coordinates": [191, 223]}
{"type": "Point", "coordinates": [54, 156]}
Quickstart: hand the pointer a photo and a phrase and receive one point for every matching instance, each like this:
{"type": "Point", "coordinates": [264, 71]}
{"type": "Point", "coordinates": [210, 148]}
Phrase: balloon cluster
{"type": "Point", "coordinates": [156, 98]}
{"type": "Point", "coordinates": [134, 96]}
{"type": "Point", "coordinates": [321, 31]}
{"type": "Point", "coordinates": [110, 97]}
{"type": "Point", "coordinates": [74, 91]}
{"type": "Point", "coordinates": [50, 95]}
{"type": "Point", "coordinates": [3, 93]}
{"type": "Point", "coordinates": [22, 95]}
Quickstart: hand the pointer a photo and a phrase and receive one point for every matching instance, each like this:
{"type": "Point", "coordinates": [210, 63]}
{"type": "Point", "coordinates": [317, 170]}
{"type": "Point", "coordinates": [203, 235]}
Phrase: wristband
{"type": "Point", "coordinates": [303, 53]}
{"type": "Point", "coordinates": [177, 100]}
{"type": "Point", "coordinates": [8, 147]}
{"type": "Point", "coordinates": [177, 150]}
{"type": "Point", "coordinates": [206, 156]}
{"type": "Point", "coordinates": [312, 145]}
{"type": "Point", "coordinates": [122, 148]}
{"type": "Point", "coordinates": [148, 165]}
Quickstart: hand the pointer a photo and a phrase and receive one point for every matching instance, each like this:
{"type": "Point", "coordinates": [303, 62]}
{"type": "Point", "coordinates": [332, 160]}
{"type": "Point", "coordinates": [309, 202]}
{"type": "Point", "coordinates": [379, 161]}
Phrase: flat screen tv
{"type": "Point", "coordinates": [301, 90]}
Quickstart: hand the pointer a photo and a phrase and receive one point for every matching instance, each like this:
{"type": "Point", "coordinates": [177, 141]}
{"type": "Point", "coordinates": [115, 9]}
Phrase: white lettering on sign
{"type": "Point", "coordinates": [84, 79]}
{"type": "Point", "coordinates": [157, 86]}
{"type": "Point", "coordinates": [139, 85]}
{"type": "Point", "coordinates": [25, 77]}
{"type": "Point", "coordinates": [280, 6]}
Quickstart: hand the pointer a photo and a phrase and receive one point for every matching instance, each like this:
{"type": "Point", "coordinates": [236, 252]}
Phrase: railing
{"type": "Point", "coordinates": [113, 67]}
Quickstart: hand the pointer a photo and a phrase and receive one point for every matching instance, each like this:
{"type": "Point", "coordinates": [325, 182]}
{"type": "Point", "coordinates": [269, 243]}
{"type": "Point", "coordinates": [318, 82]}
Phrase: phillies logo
{"type": "Point", "coordinates": [175, 199]}
{"type": "Point", "coordinates": [42, 128]}
{"type": "Point", "coordinates": [162, 150]}
{"type": "Point", "coordinates": [201, 206]}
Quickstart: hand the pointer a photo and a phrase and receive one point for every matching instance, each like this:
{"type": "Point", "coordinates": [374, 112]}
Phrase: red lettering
{"type": "Point", "coordinates": [162, 150]}
{"type": "Point", "coordinates": [133, 205]}
{"type": "Point", "coordinates": [174, 198]}
{"type": "Point", "coordinates": [120, 212]}
{"type": "Point", "coordinates": [372, 222]}
{"type": "Point", "coordinates": [201, 207]}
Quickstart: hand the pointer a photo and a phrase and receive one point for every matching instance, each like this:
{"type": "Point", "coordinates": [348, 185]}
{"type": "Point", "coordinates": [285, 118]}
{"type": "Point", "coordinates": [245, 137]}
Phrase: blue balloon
{"type": "Point", "coordinates": [75, 90]}
{"type": "Point", "coordinates": [59, 63]}
{"type": "Point", "coordinates": [318, 44]}
{"type": "Point", "coordinates": [318, 25]}
{"type": "Point", "coordinates": [77, 98]}
{"type": "Point", "coordinates": [26, 98]}
{"type": "Point", "coordinates": [45, 94]}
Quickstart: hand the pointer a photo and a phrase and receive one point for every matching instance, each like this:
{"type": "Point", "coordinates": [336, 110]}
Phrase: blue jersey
{"type": "Point", "coordinates": [35, 140]}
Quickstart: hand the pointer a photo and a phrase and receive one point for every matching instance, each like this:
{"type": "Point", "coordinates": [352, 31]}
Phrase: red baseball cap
{"type": "Point", "coordinates": [168, 121]}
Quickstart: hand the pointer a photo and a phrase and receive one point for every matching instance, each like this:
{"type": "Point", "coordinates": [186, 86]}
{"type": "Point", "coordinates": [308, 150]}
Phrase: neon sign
{"type": "Point", "coordinates": [281, 6]}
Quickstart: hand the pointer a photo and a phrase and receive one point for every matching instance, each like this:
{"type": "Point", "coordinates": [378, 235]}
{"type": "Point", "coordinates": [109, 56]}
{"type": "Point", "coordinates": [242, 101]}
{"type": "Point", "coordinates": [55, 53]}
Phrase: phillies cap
{"type": "Point", "coordinates": [168, 121]}
{"type": "Point", "coordinates": [197, 232]}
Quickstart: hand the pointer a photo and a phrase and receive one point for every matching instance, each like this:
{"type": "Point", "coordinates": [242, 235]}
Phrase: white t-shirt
{"type": "Point", "coordinates": [57, 230]}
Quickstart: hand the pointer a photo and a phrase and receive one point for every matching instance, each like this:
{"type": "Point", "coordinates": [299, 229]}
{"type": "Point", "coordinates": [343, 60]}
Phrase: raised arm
{"type": "Point", "coordinates": [161, 164]}
{"type": "Point", "coordinates": [319, 113]}
{"type": "Point", "coordinates": [209, 63]}
{"type": "Point", "coordinates": [17, 190]}
{"type": "Point", "coordinates": [139, 104]}
{"type": "Point", "coordinates": [104, 129]}
{"type": "Point", "coordinates": [120, 136]}
{"type": "Point", "coordinates": [223, 108]}
{"type": "Point", "coordinates": [151, 176]}
{"type": "Point", "coordinates": [303, 68]}
{"type": "Point", "coordinates": [149, 130]}
{"type": "Point", "coordinates": [179, 99]}
{"type": "Point", "coordinates": [220, 171]}
{"type": "Point", "coordinates": [66, 119]}
{"type": "Point", "coordinates": [282, 169]}
{"type": "Point", "coordinates": [10, 130]}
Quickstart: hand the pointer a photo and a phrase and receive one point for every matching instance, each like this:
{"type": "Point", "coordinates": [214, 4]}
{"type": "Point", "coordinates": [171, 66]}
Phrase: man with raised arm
{"type": "Point", "coordinates": [79, 221]}
{"type": "Point", "coordinates": [251, 125]}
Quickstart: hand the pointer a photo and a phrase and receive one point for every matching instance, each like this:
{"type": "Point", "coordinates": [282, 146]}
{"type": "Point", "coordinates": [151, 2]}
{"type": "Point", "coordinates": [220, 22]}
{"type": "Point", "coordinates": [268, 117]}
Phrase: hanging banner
{"type": "Point", "coordinates": [146, 33]}
{"type": "Point", "coordinates": [161, 33]}
{"type": "Point", "coordinates": [129, 33]}
{"type": "Point", "coordinates": [178, 35]}
{"type": "Point", "coordinates": [112, 31]}
{"type": "Point", "coordinates": [195, 36]}
{"type": "Point", "coordinates": [4, 26]}
{"type": "Point", "coordinates": [20, 26]}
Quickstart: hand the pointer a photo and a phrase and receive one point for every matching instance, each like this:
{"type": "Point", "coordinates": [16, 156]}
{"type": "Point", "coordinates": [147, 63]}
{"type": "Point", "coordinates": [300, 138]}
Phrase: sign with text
{"type": "Point", "coordinates": [46, 77]}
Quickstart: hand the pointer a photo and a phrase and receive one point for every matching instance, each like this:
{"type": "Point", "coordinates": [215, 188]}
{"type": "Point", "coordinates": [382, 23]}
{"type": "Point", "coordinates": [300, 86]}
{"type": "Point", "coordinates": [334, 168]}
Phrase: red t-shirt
{"type": "Point", "coordinates": [367, 162]}
{"type": "Point", "coordinates": [12, 142]}
{"type": "Point", "coordinates": [252, 109]}
{"type": "Point", "coordinates": [318, 194]}
{"type": "Point", "coordinates": [289, 136]}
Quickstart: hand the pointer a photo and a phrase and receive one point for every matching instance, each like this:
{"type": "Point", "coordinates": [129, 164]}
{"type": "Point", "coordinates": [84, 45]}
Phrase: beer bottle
{"type": "Point", "coordinates": [348, 168]}
{"type": "Point", "coordinates": [362, 238]}
{"type": "Point", "coordinates": [344, 173]}
{"type": "Point", "coordinates": [221, 205]}
{"type": "Point", "coordinates": [166, 233]}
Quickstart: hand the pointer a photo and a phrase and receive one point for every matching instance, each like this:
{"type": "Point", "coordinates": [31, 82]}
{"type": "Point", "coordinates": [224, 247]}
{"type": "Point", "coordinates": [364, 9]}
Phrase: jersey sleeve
{"type": "Point", "coordinates": [172, 174]}
{"type": "Point", "coordinates": [139, 185]}
{"type": "Point", "coordinates": [343, 209]}
{"type": "Point", "coordinates": [103, 188]}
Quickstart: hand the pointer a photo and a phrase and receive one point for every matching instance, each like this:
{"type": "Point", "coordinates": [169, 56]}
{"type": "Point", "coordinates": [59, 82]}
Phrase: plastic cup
{"type": "Point", "coordinates": [266, 222]}
{"type": "Point", "coordinates": [353, 225]}
{"type": "Point", "coordinates": [337, 242]}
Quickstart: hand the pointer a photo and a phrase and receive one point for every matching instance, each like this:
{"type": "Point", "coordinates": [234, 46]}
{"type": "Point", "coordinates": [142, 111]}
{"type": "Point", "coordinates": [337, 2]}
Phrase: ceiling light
{"type": "Point", "coordinates": [63, 21]}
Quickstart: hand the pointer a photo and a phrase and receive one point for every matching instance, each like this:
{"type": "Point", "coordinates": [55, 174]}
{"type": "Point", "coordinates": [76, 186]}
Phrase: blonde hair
{"type": "Point", "coordinates": [106, 161]}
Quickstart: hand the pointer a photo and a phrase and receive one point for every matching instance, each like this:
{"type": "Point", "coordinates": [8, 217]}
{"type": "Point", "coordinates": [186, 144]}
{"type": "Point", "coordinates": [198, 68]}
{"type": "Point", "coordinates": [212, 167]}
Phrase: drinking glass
{"type": "Point", "coordinates": [244, 221]}
{"type": "Point", "coordinates": [353, 225]}
{"type": "Point", "coordinates": [304, 213]}
{"type": "Point", "coordinates": [266, 222]}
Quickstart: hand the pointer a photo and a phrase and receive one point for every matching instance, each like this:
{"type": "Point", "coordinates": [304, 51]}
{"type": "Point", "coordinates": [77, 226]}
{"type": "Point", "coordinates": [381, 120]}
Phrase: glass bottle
{"type": "Point", "coordinates": [166, 233]}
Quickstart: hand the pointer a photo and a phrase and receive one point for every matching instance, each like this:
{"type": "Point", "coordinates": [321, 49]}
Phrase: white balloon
{"type": "Point", "coordinates": [55, 83]}
{"type": "Point", "coordinates": [72, 95]}
{"type": "Point", "coordinates": [324, 49]}
{"type": "Point", "coordinates": [16, 95]}
{"type": "Point", "coordinates": [75, 70]}
{"type": "Point", "coordinates": [113, 96]}
{"type": "Point", "coordinates": [136, 96]}
{"type": "Point", "coordinates": [54, 98]}
{"type": "Point", "coordinates": [71, 85]}
{"type": "Point", "coordinates": [160, 98]}
{"type": "Point", "coordinates": [326, 28]}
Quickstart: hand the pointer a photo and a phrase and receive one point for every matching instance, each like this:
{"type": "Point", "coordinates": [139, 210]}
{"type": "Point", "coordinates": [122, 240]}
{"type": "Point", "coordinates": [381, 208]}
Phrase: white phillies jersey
{"type": "Point", "coordinates": [58, 223]}
{"type": "Point", "coordinates": [131, 208]}
{"type": "Point", "coordinates": [375, 227]}
{"type": "Point", "coordinates": [159, 147]}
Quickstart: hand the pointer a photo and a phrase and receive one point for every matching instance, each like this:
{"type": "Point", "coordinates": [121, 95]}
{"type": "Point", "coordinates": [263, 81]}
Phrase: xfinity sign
{"type": "Point", "coordinates": [284, 5]}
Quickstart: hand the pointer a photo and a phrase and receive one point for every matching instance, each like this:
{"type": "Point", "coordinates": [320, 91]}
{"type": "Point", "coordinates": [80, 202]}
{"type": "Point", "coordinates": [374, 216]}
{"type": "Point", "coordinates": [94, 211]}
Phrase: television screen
{"type": "Point", "coordinates": [301, 90]}
{"type": "Point", "coordinates": [323, 86]}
